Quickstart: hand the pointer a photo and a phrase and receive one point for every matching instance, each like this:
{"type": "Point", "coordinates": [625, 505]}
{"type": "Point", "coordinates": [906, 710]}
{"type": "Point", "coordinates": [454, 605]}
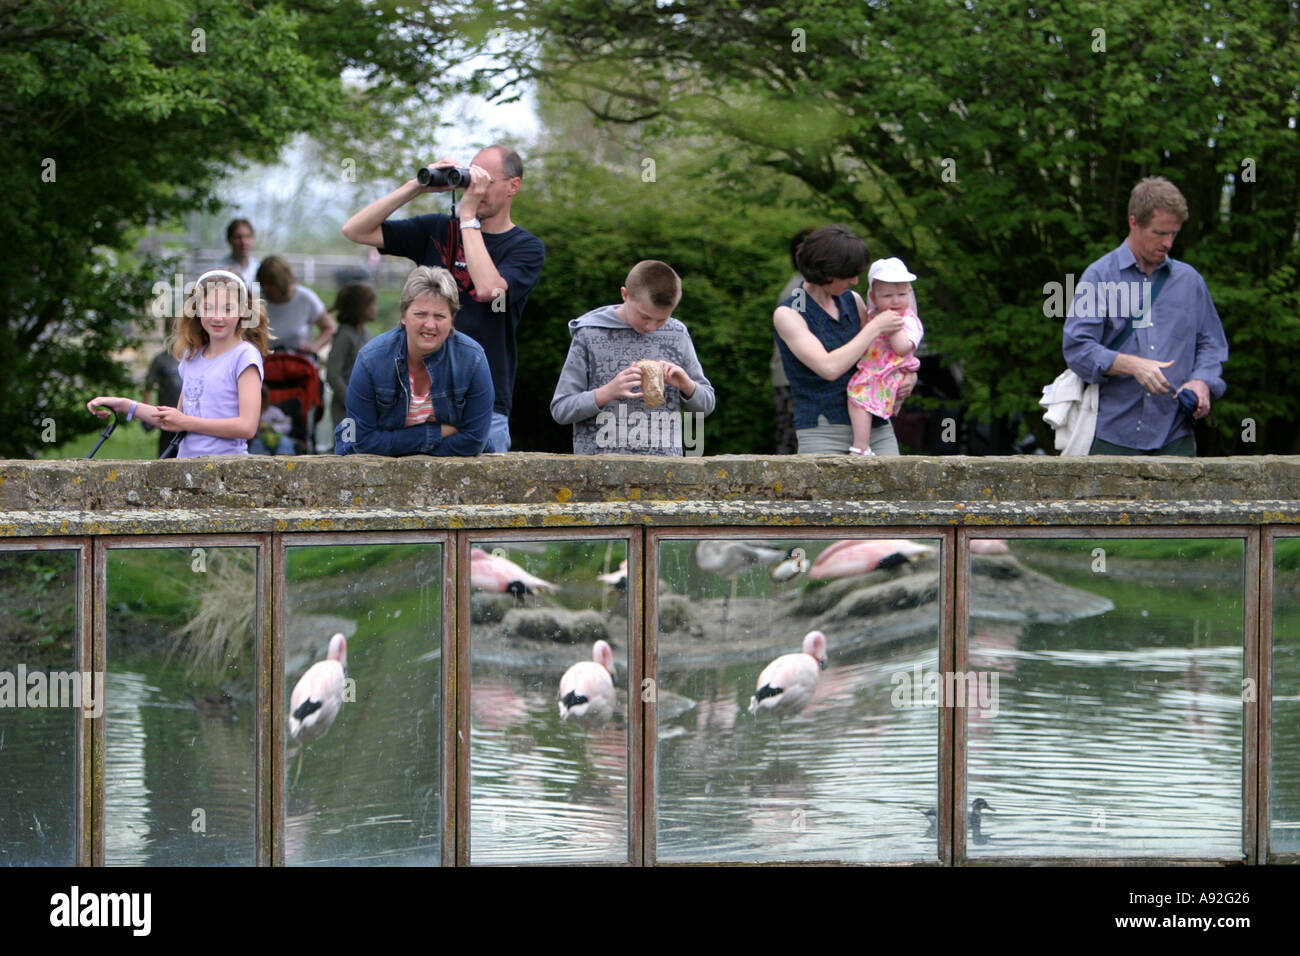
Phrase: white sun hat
{"type": "Point", "coordinates": [889, 270]}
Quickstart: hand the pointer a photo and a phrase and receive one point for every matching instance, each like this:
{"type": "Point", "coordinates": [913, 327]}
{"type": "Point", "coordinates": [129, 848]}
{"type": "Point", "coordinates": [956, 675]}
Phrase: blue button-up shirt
{"type": "Point", "coordinates": [1182, 325]}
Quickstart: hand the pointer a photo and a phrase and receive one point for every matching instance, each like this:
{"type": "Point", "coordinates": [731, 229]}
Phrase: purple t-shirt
{"type": "Point", "coordinates": [210, 389]}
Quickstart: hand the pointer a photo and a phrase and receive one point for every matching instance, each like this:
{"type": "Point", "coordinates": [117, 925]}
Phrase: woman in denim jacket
{"type": "Point", "coordinates": [422, 388]}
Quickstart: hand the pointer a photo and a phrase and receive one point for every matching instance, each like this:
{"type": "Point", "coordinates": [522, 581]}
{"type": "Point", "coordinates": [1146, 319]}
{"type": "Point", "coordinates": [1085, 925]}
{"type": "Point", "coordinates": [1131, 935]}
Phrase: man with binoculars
{"type": "Point", "coordinates": [495, 263]}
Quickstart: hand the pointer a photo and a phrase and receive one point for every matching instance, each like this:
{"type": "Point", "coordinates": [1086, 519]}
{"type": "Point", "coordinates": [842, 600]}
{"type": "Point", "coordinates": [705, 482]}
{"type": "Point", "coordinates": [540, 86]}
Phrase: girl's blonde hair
{"type": "Point", "coordinates": [190, 338]}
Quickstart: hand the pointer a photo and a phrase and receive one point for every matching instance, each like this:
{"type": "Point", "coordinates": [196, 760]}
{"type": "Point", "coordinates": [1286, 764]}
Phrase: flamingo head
{"type": "Point", "coordinates": [814, 645]}
{"type": "Point", "coordinates": [339, 650]}
{"type": "Point", "coordinates": [603, 655]}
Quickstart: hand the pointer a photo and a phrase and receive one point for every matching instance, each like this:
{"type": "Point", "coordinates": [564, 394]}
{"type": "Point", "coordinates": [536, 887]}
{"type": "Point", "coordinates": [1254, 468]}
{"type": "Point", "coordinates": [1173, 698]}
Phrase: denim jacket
{"type": "Point", "coordinates": [379, 395]}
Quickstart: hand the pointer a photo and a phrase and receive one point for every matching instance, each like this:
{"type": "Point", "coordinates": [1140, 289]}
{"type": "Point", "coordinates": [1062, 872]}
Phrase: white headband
{"type": "Point", "coordinates": [222, 274]}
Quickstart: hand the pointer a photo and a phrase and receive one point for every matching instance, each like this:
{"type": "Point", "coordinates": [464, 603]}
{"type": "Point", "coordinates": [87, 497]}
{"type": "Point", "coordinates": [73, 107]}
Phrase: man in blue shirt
{"type": "Point", "coordinates": [495, 263]}
{"type": "Point", "coordinates": [1178, 339]}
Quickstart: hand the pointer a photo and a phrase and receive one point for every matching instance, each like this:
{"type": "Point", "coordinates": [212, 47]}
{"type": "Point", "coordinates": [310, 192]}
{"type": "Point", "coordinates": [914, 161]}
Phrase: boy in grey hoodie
{"type": "Point", "coordinates": [599, 388]}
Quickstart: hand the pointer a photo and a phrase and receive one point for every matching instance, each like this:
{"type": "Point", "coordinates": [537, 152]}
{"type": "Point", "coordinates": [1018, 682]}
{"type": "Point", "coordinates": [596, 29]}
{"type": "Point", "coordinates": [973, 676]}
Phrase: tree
{"type": "Point", "coordinates": [990, 144]}
{"type": "Point", "coordinates": [121, 113]}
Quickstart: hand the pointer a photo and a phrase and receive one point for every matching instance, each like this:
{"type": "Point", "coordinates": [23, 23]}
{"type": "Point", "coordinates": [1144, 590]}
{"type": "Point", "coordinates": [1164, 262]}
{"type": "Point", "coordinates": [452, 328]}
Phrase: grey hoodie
{"type": "Point", "coordinates": [603, 345]}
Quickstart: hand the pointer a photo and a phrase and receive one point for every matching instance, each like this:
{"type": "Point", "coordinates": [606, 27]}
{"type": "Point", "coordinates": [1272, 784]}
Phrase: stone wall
{"type": "Point", "coordinates": [320, 493]}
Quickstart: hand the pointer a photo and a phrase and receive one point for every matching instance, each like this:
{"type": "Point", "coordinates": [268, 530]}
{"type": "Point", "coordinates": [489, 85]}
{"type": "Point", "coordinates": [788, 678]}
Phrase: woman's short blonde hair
{"type": "Point", "coordinates": [431, 280]}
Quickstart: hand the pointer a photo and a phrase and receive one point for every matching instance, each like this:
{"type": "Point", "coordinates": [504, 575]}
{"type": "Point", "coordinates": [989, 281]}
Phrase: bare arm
{"type": "Point", "coordinates": [366, 227]}
{"type": "Point", "coordinates": [488, 281]}
{"type": "Point", "coordinates": [808, 349]}
{"type": "Point", "coordinates": [325, 322]}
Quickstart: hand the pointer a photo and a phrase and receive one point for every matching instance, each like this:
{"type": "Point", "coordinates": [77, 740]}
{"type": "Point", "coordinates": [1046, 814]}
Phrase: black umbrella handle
{"type": "Point", "coordinates": [104, 437]}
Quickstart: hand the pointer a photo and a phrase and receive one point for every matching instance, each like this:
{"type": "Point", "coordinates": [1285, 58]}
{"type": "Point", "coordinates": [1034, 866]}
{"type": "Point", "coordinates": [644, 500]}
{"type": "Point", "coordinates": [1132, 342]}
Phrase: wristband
{"type": "Point", "coordinates": [130, 412]}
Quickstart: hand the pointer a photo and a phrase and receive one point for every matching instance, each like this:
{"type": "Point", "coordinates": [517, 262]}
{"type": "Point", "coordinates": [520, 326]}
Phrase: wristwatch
{"type": "Point", "coordinates": [471, 224]}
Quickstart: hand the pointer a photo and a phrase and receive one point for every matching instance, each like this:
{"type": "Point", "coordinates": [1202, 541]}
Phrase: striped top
{"type": "Point", "coordinates": [421, 408]}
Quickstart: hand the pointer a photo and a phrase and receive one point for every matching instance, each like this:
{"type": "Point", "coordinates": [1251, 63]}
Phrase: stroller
{"type": "Point", "coordinates": [293, 385]}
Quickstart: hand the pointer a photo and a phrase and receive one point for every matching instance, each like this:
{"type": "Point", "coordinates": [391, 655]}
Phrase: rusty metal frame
{"type": "Point", "coordinates": [262, 649]}
{"type": "Point", "coordinates": [1264, 691]}
{"type": "Point", "coordinates": [281, 542]}
{"type": "Point", "coordinates": [944, 533]}
{"type": "Point", "coordinates": [83, 661]}
{"type": "Point", "coordinates": [1250, 537]}
{"type": "Point", "coordinates": [633, 538]}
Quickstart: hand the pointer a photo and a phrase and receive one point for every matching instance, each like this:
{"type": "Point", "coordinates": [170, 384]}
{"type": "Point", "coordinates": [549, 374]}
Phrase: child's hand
{"type": "Point", "coordinates": [886, 323]}
{"type": "Point", "coordinates": [103, 406]}
{"type": "Point", "coordinates": [626, 384]}
{"type": "Point", "coordinates": [170, 419]}
{"type": "Point", "coordinates": [676, 376]}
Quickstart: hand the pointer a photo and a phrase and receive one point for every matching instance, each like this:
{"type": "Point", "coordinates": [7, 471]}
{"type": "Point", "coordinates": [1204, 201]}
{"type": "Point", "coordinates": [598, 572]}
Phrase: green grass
{"type": "Point", "coordinates": [129, 441]}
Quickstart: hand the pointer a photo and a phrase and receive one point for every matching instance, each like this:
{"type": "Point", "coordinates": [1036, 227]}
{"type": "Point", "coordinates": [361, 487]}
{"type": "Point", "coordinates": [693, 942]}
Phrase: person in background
{"type": "Point", "coordinates": [1180, 339]}
{"type": "Point", "coordinates": [422, 388]}
{"type": "Point", "coordinates": [494, 262]}
{"type": "Point", "coordinates": [240, 235]}
{"type": "Point", "coordinates": [356, 307]}
{"type": "Point", "coordinates": [786, 443]}
{"type": "Point", "coordinates": [162, 386]}
{"type": "Point", "coordinates": [822, 330]}
{"type": "Point", "coordinates": [293, 309]}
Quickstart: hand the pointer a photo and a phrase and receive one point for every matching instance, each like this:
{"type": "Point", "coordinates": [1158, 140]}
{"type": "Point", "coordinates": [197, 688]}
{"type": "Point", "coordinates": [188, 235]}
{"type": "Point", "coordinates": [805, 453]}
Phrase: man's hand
{"type": "Point", "coordinates": [676, 376]}
{"type": "Point", "coordinates": [440, 164]}
{"type": "Point", "coordinates": [1202, 392]}
{"type": "Point", "coordinates": [626, 384]}
{"type": "Point", "coordinates": [1148, 372]}
{"type": "Point", "coordinates": [479, 181]}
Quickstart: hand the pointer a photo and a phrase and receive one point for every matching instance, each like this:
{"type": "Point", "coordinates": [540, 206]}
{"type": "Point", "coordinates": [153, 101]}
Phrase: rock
{"type": "Point", "coordinates": [485, 608]}
{"type": "Point", "coordinates": [555, 624]}
{"type": "Point", "coordinates": [674, 613]}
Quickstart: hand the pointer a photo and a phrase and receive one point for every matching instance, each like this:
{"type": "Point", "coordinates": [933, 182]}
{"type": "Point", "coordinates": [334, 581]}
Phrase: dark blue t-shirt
{"type": "Point", "coordinates": [813, 395]}
{"type": "Point", "coordinates": [517, 254]}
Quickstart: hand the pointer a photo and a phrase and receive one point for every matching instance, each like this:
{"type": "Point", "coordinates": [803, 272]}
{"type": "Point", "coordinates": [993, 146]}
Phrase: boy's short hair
{"type": "Point", "coordinates": [655, 282]}
{"type": "Point", "coordinates": [1156, 194]}
{"type": "Point", "coordinates": [830, 253]}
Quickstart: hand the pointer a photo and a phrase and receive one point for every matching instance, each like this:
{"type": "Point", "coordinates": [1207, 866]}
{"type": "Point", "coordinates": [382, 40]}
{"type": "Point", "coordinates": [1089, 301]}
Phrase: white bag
{"type": "Point", "coordinates": [1071, 407]}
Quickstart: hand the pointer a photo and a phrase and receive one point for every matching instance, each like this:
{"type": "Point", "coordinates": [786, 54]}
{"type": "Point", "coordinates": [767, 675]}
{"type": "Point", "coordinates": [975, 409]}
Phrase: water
{"type": "Point", "coordinates": [1118, 735]}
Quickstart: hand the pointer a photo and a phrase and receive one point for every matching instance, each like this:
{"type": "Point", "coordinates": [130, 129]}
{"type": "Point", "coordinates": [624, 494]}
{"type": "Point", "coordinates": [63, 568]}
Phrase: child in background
{"type": "Point", "coordinates": [356, 307]}
{"type": "Point", "coordinates": [873, 390]}
{"type": "Point", "coordinates": [599, 389]}
{"type": "Point", "coordinates": [220, 341]}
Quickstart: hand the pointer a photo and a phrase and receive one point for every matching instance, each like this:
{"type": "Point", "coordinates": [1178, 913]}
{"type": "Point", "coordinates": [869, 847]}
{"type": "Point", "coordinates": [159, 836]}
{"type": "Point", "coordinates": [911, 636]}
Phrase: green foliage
{"type": "Point", "coordinates": [599, 221]}
{"type": "Point", "coordinates": [1043, 117]}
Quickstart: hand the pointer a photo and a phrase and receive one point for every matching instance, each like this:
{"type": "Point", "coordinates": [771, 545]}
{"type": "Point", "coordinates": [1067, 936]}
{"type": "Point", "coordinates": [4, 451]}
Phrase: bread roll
{"type": "Point", "coordinates": [652, 382]}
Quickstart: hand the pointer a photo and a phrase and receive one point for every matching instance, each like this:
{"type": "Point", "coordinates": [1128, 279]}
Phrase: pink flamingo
{"type": "Point", "coordinates": [495, 572]}
{"type": "Point", "coordinates": [318, 696]}
{"type": "Point", "coordinates": [787, 684]}
{"type": "Point", "coordinates": [989, 546]}
{"type": "Point", "coordinates": [845, 559]}
{"type": "Point", "coordinates": [587, 688]}
{"type": "Point", "coordinates": [616, 579]}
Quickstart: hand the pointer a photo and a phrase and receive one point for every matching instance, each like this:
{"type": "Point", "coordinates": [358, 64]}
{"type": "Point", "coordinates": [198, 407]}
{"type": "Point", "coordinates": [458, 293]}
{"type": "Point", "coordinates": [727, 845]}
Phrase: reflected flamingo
{"type": "Point", "coordinates": [587, 688]}
{"type": "Point", "coordinates": [851, 557]}
{"type": "Point", "coordinates": [616, 579]}
{"type": "Point", "coordinates": [989, 546]}
{"type": "Point", "coordinates": [497, 573]}
{"type": "Point", "coordinates": [786, 685]}
{"type": "Point", "coordinates": [318, 695]}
